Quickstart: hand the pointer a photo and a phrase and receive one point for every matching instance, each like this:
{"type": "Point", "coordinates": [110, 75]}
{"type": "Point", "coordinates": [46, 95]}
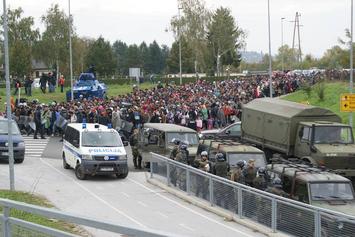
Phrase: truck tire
{"type": "Point", "coordinates": [79, 172]}
{"type": "Point", "coordinates": [65, 164]}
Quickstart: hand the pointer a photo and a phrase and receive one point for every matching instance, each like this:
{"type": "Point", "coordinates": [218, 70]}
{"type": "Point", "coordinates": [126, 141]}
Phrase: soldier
{"type": "Point", "coordinates": [38, 122]}
{"type": "Point", "coordinates": [201, 182]}
{"type": "Point", "coordinates": [182, 154]}
{"type": "Point", "coordinates": [276, 188]}
{"type": "Point", "coordinates": [261, 180]}
{"type": "Point", "coordinates": [250, 173]}
{"type": "Point", "coordinates": [221, 167]}
{"type": "Point", "coordinates": [175, 150]}
{"type": "Point", "coordinates": [237, 173]}
{"type": "Point", "coordinates": [182, 157]}
{"type": "Point", "coordinates": [133, 140]}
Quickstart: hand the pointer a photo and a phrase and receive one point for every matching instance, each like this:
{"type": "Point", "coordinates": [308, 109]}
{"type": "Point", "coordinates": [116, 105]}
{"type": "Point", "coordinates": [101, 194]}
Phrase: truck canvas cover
{"type": "Point", "coordinates": [273, 122]}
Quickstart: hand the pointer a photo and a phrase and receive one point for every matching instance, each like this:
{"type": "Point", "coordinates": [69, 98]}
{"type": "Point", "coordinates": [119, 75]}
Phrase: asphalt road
{"type": "Point", "coordinates": [131, 201]}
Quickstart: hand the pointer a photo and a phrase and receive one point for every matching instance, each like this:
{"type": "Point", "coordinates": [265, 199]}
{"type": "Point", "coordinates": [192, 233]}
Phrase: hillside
{"type": "Point", "coordinates": [331, 101]}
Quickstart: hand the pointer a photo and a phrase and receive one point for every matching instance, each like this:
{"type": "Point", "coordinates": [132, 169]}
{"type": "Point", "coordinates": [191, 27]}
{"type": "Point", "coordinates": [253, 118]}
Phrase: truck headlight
{"type": "Point", "coordinates": [86, 157]}
{"type": "Point", "coordinates": [21, 144]}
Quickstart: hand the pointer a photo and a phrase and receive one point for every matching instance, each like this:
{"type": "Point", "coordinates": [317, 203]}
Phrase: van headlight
{"type": "Point", "coordinates": [86, 157]}
{"type": "Point", "coordinates": [123, 157]}
{"type": "Point", "coordinates": [21, 144]}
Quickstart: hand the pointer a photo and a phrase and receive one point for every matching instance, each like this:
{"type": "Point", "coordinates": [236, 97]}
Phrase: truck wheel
{"type": "Point", "coordinates": [79, 172]}
{"type": "Point", "coordinates": [65, 164]}
{"type": "Point", "coordinates": [19, 161]}
{"type": "Point", "coordinates": [122, 176]}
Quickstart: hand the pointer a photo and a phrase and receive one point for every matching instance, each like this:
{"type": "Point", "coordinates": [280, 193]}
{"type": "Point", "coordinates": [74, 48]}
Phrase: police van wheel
{"type": "Point", "coordinates": [79, 172]}
{"type": "Point", "coordinates": [122, 176]}
{"type": "Point", "coordinates": [65, 164]}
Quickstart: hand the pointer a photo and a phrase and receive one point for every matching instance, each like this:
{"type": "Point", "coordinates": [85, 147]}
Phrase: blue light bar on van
{"type": "Point", "coordinates": [84, 125]}
{"type": "Point", "coordinates": [109, 125]}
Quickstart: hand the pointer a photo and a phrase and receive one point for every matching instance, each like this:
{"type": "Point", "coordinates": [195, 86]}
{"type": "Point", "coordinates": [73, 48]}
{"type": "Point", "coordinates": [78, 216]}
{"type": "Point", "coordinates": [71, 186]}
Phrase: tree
{"type": "Point", "coordinates": [80, 51]}
{"type": "Point", "coordinates": [53, 49]}
{"type": "Point", "coordinates": [145, 58]}
{"type": "Point", "coordinates": [225, 37]}
{"type": "Point", "coordinates": [22, 37]}
{"type": "Point", "coordinates": [193, 28]}
{"type": "Point", "coordinates": [289, 58]}
{"type": "Point", "coordinates": [133, 58]}
{"type": "Point", "coordinates": [187, 59]}
{"type": "Point", "coordinates": [120, 50]}
{"type": "Point", "coordinates": [155, 57]}
{"type": "Point", "coordinates": [100, 55]}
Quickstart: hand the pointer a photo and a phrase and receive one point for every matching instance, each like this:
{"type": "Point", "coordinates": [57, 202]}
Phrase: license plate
{"type": "Point", "coordinates": [5, 153]}
{"type": "Point", "coordinates": [106, 169]}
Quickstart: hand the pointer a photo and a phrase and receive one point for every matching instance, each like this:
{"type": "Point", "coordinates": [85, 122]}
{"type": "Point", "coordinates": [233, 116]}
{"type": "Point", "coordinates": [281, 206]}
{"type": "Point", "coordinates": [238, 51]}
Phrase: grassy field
{"type": "Point", "coordinates": [331, 100]}
{"type": "Point", "coordinates": [113, 90]}
{"type": "Point", "coordinates": [39, 201]}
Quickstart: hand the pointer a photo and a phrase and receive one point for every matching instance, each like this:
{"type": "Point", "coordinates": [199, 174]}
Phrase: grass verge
{"type": "Point", "coordinates": [39, 201]}
{"type": "Point", "coordinates": [331, 101]}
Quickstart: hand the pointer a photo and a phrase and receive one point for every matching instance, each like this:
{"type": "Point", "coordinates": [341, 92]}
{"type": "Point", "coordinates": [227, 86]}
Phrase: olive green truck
{"type": "Point", "coordinates": [313, 134]}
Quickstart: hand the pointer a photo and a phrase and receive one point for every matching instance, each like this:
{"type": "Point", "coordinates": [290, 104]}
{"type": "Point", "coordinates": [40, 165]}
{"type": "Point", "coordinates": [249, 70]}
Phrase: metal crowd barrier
{"type": "Point", "coordinates": [13, 227]}
{"type": "Point", "coordinates": [278, 213]}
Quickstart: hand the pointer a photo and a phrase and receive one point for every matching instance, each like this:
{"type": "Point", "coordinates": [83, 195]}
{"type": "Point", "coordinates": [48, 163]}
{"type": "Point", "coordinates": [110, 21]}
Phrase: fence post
{"type": "Point", "coordinates": [151, 167]}
{"type": "Point", "coordinates": [188, 181]}
{"type": "Point", "coordinates": [211, 190]}
{"type": "Point", "coordinates": [6, 223]}
{"type": "Point", "coordinates": [168, 173]}
{"type": "Point", "coordinates": [273, 215]}
{"type": "Point", "coordinates": [317, 224]}
{"type": "Point", "coordinates": [240, 202]}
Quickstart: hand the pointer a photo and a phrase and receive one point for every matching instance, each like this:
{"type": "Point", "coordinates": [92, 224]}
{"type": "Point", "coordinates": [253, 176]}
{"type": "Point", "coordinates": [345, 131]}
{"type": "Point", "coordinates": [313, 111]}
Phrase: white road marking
{"type": "Point", "coordinates": [125, 194]}
{"type": "Point", "coordinates": [162, 214]}
{"type": "Point", "coordinates": [142, 204]}
{"type": "Point", "coordinates": [34, 152]}
{"type": "Point", "coordinates": [94, 195]}
{"type": "Point", "coordinates": [33, 155]}
{"type": "Point", "coordinates": [189, 209]}
{"type": "Point", "coordinates": [186, 227]}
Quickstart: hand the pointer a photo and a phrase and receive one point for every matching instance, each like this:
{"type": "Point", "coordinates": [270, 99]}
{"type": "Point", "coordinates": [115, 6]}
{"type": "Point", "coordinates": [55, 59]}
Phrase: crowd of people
{"type": "Point", "coordinates": [200, 105]}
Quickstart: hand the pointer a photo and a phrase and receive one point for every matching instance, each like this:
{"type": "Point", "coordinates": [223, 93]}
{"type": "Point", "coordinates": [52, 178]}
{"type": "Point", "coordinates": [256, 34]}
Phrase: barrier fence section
{"type": "Point", "coordinates": [278, 213]}
{"type": "Point", "coordinates": [15, 227]}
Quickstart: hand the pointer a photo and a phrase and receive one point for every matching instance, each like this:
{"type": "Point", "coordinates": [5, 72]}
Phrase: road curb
{"type": "Point", "coordinates": [216, 210]}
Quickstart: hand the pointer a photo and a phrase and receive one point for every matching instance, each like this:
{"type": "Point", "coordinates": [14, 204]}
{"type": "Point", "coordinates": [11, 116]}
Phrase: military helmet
{"type": "Point", "coordinates": [277, 183]}
{"type": "Point", "coordinates": [204, 153]}
{"type": "Point", "coordinates": [183, 147]}
{"type": "Point", "coordinates": [241, 164]}
{"type": "Point", "coordinates": [261, 171]}
{"type": "Point", "coordinates": [220, 156]}
{"type": "Point", "coordinates": [175, 141]}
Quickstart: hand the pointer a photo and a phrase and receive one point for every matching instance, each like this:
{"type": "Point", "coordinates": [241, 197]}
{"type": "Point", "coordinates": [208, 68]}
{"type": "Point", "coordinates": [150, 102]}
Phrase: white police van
{"type": "Point", "coordinates": [93, 149]}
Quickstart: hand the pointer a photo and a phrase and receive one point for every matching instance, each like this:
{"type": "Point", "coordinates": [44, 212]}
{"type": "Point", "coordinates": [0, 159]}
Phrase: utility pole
{"type": "Point", "coordinates": [282, 43]}
{"type": "Point", "coordinates": [179, 35]}
{"type": "Point", "coordinates": [351, 62]}
{"type": "Point", "coordinates": [8, 101]}
{"type": "Point", "coordinates": [70, 55]}
{"type": "Point", "coordinates": [297, 26]}
{"type": "Point", "coordinates": [270, 57]}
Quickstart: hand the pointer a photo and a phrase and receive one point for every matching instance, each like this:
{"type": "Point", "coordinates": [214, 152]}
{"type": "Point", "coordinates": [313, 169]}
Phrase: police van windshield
{"type": "Point", "coordinates": [3, 128]}
{"type": "Point", "coordinates": [333, 134]}
{"type": "Point", "coordinates": [331, 191]}
{"type": "Point", "coordinates": [101, 139]}
{"type": "Point", "coordinates": [259, 158]}
{"type": "Point", "coordinates": [189, 138]}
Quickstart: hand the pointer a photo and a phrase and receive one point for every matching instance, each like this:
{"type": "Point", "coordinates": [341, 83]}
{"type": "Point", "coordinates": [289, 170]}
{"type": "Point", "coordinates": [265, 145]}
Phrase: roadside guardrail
{"type": "Point", "coordinates": [277, 213]}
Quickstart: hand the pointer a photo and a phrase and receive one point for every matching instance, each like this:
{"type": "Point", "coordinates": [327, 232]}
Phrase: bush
{"type": "Point", "coordinates": [307, 89]}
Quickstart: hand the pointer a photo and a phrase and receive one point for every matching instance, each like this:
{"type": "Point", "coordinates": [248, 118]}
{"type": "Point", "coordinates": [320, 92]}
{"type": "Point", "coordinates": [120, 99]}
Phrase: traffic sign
{"type": "Point", "coordinates": [347, 102]}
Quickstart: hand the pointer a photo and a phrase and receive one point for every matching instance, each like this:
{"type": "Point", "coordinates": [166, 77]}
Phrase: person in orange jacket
{"type": "Point", "coordinates": [61, 83]}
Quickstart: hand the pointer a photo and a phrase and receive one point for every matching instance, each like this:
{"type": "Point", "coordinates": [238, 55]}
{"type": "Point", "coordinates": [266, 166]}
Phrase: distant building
{"type": "Point", "coordinates": [252, 57]}
{"type": "Point", "coordinates": [39, 67]}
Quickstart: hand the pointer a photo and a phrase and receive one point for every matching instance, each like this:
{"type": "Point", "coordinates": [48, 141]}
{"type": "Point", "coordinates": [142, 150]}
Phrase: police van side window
{"type": "Point", "coordinates": [76, 138]}
{"type": "Point", "coordinates": [67, 135]}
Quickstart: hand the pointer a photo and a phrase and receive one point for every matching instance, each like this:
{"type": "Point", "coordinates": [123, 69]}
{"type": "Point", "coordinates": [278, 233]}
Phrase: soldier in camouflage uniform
{"type": "Point", "coordinates": [237, 172]}
{"type": "Point", "coordinates": [250, 173]}
{"type": "Point", "coordinates": [182, 157]}
{"type": "Point", "coordinates": [201, 163]}
{"type": "Point", "coordinates": [137, 158]}
{"type": "Point", "coordinates": [261, 180]}
{"type": "Point", "coordinates": [276, 188]}
{"type": "Point", "coordinates": [221, 170]}
{"type": "Point", "coordinates": [175, 150]}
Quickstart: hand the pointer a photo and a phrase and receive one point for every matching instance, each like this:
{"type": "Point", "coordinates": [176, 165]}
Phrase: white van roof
{"type": "Point", "coordinates": [90, 127]}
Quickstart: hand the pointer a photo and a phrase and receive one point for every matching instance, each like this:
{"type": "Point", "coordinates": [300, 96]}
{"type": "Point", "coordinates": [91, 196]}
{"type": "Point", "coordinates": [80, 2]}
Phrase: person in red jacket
{"type": "Point", "coordinates": [61, 83]}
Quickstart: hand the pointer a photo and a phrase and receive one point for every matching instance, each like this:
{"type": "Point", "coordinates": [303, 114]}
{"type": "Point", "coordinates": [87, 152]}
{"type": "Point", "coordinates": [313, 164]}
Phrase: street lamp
{"type": "Point", "coordinates": [282, 43]}
{"type": "Point", "coordinates": [70, 55]}
{"type": "Point", "coordinates": [270, 66]}
{"type": "Point", "coordinates": [8, 101]}
{"type": "Point", "coordinates": [179, 35]}
{"type": "Point", "coordinates": [351, 62]}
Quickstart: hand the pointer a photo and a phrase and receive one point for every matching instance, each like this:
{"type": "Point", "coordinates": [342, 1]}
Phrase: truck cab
{"type": "Point", "coordinates": [329, 144]}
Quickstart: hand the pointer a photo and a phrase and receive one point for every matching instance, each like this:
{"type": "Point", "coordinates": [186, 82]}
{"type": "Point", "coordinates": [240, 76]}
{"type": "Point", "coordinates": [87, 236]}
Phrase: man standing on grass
{"type": "Point", "coordinates": [61, 83]}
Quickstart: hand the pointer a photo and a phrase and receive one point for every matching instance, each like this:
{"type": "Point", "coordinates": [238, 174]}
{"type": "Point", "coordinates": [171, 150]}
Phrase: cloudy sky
{"type": "Point", "coordinates": [133, 21]}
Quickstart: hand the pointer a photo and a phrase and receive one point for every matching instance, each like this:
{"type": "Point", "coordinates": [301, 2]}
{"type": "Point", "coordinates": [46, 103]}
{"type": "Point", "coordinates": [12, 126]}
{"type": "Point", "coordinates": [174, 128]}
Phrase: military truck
{"type": "Point", "coordinates": [158, 138]}
{"type": "Point", "coordinates": [232, 151]}
{"type": "Point", "coordinates": [317, 187]}
{"type": "Point", "coordinates": [313, 134]}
